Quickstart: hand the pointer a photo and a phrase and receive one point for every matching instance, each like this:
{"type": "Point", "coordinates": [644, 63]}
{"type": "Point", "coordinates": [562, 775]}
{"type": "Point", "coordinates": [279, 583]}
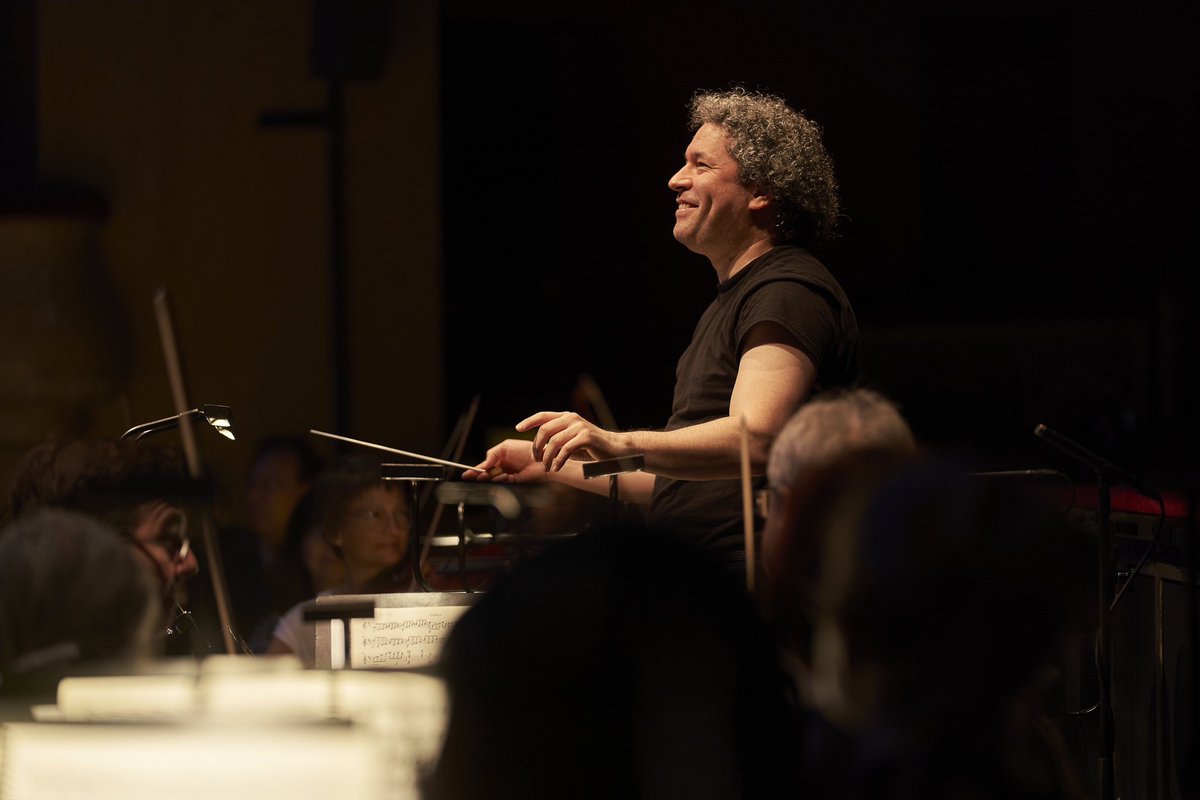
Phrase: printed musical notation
{"type": "Point", "coordinates": [402, 637]}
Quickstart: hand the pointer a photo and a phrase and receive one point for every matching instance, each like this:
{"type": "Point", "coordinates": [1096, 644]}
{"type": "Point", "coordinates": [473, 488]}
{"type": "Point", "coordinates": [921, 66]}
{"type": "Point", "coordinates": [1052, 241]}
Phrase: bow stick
{"type": "Point", "coordinates": [747, 504]}
{"type": "Point", "coordinates": [212, 550]}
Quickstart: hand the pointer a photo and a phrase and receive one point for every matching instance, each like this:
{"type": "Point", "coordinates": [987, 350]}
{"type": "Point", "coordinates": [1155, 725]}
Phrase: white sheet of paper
{"type": "Point", "coordinates": [398, 637]}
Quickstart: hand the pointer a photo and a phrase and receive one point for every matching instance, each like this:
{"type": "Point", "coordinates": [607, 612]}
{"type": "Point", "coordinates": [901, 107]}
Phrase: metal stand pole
{"type": "Point", "coordinates": [1106, 573]}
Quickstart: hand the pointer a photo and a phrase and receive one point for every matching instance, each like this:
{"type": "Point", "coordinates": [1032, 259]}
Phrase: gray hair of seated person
{"type": "Point", "coordinates": [71, 590]}
{"type": "Point", "coordinates": [833, 425]}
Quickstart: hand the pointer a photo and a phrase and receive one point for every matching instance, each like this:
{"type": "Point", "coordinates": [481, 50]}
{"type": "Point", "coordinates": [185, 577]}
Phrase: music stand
{"type": "Point", "coordinates": [345, 611]}
{"type": "Point", "coordinates": [414, 474]}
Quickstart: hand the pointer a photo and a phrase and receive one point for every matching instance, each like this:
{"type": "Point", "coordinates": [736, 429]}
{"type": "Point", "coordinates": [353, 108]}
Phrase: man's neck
{"type": "Point", "coordinates": [738, 258]}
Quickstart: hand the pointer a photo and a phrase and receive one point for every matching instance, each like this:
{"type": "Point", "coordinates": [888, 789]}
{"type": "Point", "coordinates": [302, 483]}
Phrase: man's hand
{"type": "Point", "coordinates": [511, 461]}
{"type": "Point", "coordinates": [564, 435]}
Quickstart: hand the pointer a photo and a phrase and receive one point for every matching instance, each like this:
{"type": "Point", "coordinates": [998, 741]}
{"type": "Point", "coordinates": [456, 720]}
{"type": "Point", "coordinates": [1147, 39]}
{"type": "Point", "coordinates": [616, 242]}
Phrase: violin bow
{"type": "Point", "coordinates": [747, 503]}
{"type": "Point", "coordinates": [212, 550]}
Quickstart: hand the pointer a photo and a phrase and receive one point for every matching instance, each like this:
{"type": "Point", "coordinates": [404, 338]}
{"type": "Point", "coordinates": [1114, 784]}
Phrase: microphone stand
{"type": "Point", "coordinates": [1106, 472]}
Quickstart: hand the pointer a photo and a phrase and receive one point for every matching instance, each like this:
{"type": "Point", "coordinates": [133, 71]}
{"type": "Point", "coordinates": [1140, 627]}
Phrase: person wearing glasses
{"type": "Point", "coordinates": [366, 521]}
{"type": "Point", "coordinates": [137, 489]}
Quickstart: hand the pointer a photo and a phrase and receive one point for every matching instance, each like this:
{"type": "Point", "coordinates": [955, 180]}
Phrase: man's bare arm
{"type": "Point", "coordinates": [774, 377]}
{"type": "Point", "coordinates": [513, 460]}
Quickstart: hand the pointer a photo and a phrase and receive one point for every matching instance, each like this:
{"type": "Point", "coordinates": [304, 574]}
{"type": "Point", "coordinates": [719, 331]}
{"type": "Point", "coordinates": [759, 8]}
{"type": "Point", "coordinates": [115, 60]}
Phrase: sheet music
{"type": "Point", "coordinates": [401, 637]}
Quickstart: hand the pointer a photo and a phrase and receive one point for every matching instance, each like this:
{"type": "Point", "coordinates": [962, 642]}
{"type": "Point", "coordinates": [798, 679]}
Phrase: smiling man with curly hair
{"type": "Point", "coordinates": [756, 188]}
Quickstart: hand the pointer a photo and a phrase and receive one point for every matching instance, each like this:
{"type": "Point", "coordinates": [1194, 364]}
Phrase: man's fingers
{"type": "Point", "coordinates": [548, 429]}
{"type": "Point", "coordinates": [568, 448]}
{"type": "Point", "coordinates": [569, 443]}
{"type": "Point", "coordinates": [540, 418]}
{"type": "Point", "coordinates": [554, 443]}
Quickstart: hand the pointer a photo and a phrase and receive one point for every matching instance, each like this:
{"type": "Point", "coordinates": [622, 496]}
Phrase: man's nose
{"type": "Point", "coordinates": [679, 181]}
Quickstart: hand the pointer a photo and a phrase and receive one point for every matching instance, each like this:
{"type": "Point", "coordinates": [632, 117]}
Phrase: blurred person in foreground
{"type": "Point", "coordinates": [366, 521]}
{"type": "Point", "coordinates": [137, 489]}
{"type": "Point", "coordinates": [618, 664]}
{"type": "Point", "coordinates": [935, 601]}
{"type": "Point", "coordinates": [74, 599]}
{"type": "Point", "coordinates": [824, 431]}
{"type": "Point", "coordinates": [819, 433]}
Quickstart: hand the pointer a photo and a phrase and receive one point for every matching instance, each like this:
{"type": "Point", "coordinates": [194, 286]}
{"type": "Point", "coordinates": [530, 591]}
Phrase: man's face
{"type": "Point", "coordinates": [713, 212]}
{"type": "Point", "coordinates": [160, 538]}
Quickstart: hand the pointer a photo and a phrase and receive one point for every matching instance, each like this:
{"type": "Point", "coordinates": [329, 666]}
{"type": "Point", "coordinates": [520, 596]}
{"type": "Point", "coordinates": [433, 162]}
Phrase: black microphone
{"type": "Point", "coordinates": [1023, 473]}
{"type": "Point", "coordinates": [1102, 465]}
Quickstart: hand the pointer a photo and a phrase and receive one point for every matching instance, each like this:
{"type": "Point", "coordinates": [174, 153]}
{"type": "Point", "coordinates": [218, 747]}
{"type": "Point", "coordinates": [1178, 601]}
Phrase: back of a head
{"type": "Point", "coordinates": [838, 438]}
{"type": "Point", "coordinates": [832, 425]}
{"type": "Point", "coordinates": [105, 478]}
{"type": "Point", "coordinates": [619, 664]}
{"type": "Point", "coordinates": [71, 593]}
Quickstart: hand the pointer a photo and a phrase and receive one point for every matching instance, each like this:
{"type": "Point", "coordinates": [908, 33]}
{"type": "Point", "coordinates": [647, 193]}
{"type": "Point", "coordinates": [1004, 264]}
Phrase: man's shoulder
{"type": "Point", "coordinates": [789, 261]}
{"type": "Point", "coordinates": [788, 264]}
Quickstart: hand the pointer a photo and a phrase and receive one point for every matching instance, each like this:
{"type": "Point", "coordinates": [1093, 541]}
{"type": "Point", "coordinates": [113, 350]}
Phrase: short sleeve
{"type": "Point", "coordinates": [803, 310]}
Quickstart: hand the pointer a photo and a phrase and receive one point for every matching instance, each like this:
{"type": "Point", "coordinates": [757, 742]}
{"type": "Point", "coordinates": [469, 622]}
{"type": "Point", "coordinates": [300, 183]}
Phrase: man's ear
{"type": "Point", "coordinates": [760, 202]}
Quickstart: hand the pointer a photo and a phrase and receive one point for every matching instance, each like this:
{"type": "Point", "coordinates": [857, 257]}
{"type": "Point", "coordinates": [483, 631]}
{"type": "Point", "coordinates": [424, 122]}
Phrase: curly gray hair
{"type": "Point", "coordinates": [778, 151]}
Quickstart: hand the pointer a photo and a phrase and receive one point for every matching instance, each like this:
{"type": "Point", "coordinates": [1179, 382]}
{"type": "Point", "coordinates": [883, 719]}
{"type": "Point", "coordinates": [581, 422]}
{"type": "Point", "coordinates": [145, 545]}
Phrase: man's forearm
{"type": "Point", "coordinates": [706, 451]}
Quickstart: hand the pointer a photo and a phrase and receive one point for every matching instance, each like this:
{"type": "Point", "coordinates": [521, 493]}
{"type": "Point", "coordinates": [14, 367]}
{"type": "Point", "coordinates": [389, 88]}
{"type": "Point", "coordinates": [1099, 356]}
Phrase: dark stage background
{"type": "Point", "coordinates": [1018, 182]}
{"type": "Point", "coordinates": [1018, 179]}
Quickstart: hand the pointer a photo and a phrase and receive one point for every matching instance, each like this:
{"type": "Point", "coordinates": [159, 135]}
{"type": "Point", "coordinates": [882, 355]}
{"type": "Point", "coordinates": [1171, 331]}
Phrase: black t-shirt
{"type": "Point", "coordinates": [786, 286]}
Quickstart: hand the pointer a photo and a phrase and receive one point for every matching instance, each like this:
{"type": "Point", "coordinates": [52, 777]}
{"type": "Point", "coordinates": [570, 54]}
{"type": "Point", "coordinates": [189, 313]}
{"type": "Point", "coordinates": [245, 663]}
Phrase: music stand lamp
{"type": "Point", "coordinates": [220, 417]}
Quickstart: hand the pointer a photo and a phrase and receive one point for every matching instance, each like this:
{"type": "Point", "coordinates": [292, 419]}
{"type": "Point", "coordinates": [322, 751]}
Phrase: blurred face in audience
{"type": "Point", "coordinates": [374, 533]}
{"type": "Point", "coordinates": [275, 488]}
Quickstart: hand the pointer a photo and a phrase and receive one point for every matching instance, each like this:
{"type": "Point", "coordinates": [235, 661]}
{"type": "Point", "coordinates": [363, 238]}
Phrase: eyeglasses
{"type": "Point", "coordinates": [376, 518]}
{"type": "Point", "coordinates": [172, 540]}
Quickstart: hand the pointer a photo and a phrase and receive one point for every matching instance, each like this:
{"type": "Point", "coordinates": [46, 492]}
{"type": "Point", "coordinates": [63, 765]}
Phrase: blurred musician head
{"type": "Point", "coordinates": [755, 170]}
{"type": "Point", "coordinates": [73, 597]}
{"type": "Point", "coordinates": [366, 520]}
{"type": "Point", "coordinates": [137, 489]}
{"type": "Point", "coordinates": [621, 663]}
{"type": "Point", "coordinates": [820, 432]}
{"type": "Point", "coordinates": [936, 599]}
